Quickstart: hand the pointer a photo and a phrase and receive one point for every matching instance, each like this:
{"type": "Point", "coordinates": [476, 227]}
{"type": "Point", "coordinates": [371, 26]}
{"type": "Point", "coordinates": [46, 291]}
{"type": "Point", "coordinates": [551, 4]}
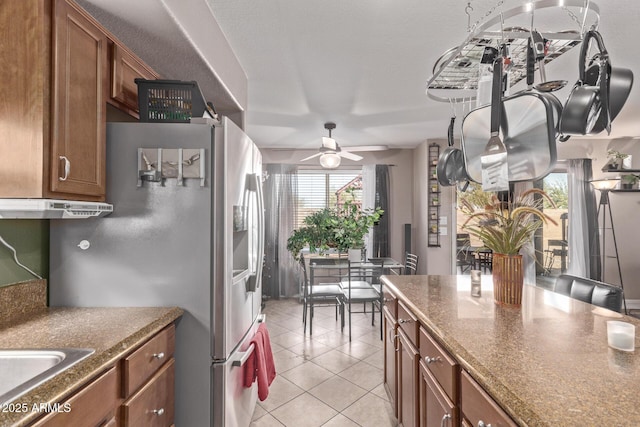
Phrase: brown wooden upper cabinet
{"type": "Point", "coordinates": [125, 68]}
{"type": "Point", "coordinates": [55, 84]}
{"type": "Point", "coordinates": [80, 76]}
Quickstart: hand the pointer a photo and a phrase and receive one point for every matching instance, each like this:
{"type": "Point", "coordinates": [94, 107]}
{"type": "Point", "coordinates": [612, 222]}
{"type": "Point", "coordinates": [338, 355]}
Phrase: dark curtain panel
{"type": "Point", "coordinates": [381, 247]}
{"type": "Point", "coordinates": [279, 276]}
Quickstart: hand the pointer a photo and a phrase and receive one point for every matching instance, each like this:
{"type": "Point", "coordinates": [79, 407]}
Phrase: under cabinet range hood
{"type": "Point", "coordinates": [52, 209]}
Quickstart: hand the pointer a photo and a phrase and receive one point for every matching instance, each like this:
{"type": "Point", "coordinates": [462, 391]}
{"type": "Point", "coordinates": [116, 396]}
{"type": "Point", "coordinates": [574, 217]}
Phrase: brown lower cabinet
{"type": "Point", "coordinates": [436, 409]}
{"type": "Point", "coordinates": [110, 399]}
{"type": "Point", "coordinates": [426, 384]}
{"type": "Point", "coordinates": [390, 327]}
{"type": "Point", "coordinates": [478, 408]}
{"type": "Point", "coordinates": [408, 360]}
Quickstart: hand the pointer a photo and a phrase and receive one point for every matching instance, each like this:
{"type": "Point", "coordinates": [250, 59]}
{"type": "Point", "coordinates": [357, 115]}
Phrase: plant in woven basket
{"type": "Point", "coordinates": [505, 227]}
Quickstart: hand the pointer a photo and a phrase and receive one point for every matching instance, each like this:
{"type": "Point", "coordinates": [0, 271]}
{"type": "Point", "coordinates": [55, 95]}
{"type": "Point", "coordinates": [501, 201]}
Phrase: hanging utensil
{"type": "Point", "coordinates": [495, 172]}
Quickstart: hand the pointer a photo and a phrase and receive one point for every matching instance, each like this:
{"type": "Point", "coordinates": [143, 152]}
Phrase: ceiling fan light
{"type": "Point", "coordinates": [330, 160]}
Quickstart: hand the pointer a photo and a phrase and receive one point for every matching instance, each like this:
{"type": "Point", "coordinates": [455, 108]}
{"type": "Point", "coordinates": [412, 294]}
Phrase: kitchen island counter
{"type": "Point", "coordinates": [111, 332]}
{"type": "Point", "coordinates": [546, 363]}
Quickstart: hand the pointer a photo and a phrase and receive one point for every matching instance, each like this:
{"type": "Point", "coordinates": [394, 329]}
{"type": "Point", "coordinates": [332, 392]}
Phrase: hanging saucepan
{"type": "Point", "coordinates": [588, 104]}
{"type": "Point", "coordinates": [620, 84]}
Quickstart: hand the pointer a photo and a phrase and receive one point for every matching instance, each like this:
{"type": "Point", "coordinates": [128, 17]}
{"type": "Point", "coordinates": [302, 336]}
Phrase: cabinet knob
{"type": "Point", "coordinates": [158, 355]}
{"type": "Point", "coordinates": [445, 418]}
{"type": "Point", "coordinates": [430, 360]}
{"type": "Point", "coordinates": [67, 168]}
{"type": "Point", "coordinates": [482, 424]}
{"type": "Point", "coordinates": [404, 321]}
{"type": "Point", "coordinates": [386, 299]}
{"type": "Point", "coordinates": [158, 412]}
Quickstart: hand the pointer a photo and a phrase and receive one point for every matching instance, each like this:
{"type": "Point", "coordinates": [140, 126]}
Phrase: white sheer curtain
{"type": "Point", "coordinates": [280, 276]}
{"type": "Point", "coordinates": [582, 221]}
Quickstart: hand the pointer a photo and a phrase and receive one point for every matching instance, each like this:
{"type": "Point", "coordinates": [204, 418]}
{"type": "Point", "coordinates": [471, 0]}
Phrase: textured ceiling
{"type": "Point", "coordinates": [363, 64]}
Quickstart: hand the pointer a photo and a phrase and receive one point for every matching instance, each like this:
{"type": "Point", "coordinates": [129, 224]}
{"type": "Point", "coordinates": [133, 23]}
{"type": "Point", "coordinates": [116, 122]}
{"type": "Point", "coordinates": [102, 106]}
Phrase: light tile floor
{"type": "Point", "coordinates": [323, 379]}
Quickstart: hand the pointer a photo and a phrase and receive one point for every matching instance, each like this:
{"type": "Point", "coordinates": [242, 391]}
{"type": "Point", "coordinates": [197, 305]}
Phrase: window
{"type": "Point", "coordinates": [319, 189]}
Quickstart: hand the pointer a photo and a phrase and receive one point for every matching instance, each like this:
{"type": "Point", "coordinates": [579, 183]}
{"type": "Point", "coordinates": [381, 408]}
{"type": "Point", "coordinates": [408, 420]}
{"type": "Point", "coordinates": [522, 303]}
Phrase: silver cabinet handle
{"type": "Point", "coordinates": [396, 343]}
{"type": "Point", "coordinates": [445, 418]}
{"type": "Point", "coordinates": [67, 168]}
{"type": "Point", "coordinates": [482, 424]}
{"type": "Point", "coordinates": [430, 360]}
{"type": "Point", "coordinates": [158, 355]}
{"type": "Point", "coordinates": [158, 412]}
{"type": "Point", "coordinates": [404, 321]}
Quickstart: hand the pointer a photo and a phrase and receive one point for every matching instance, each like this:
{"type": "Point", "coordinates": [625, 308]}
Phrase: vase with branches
{"type": "Point", "coordinates": [505, 228]}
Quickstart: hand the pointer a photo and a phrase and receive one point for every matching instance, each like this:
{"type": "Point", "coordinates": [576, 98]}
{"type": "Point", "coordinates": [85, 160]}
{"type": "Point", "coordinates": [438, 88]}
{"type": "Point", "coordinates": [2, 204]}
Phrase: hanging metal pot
{"type": "Point", "coordinates": [588, 102]}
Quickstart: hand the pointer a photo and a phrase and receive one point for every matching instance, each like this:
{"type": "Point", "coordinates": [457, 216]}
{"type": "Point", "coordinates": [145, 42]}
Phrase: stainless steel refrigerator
{"type": "Point", "coordinates": [193, 239]}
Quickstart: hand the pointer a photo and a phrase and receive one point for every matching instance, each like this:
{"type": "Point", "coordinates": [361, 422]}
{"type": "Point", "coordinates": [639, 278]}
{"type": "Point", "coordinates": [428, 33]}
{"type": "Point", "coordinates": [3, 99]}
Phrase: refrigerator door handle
{"type": "Point", "coordinates": [261, 227]}
{"type": "Point", "coordinates": [244, 356]}
{"type": "Point", "coordinates": [256, 278]}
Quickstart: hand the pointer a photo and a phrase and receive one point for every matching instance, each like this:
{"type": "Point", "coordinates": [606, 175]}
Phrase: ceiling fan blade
{"type": "Point", "coordinates": [350, 156]}
{"type": "Point", "coordinates": [311, 157]}
{"type": "Point", "coordinates": [367, 148]}
{"type": "Point", "coordinates": [329, 143]}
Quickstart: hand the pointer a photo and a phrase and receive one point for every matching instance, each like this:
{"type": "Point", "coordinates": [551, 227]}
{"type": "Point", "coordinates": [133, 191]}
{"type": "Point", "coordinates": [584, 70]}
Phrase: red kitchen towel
{"type": "Point", "coordinates": [260, 363]}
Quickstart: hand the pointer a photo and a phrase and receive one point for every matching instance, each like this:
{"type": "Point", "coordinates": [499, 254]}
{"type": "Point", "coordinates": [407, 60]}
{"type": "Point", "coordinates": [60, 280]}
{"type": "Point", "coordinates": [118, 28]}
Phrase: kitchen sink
{"type": "Point", "coordinates": [24, 369]}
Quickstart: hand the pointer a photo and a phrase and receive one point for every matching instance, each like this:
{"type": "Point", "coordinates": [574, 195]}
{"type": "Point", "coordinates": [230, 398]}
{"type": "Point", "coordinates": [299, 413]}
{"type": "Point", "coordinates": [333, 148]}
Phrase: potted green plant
{"type": "Point", "coordinates": [629, 181]}
{"type": "Point", "coordinates": [317, 233]}
{"type": "Point", "coordinates": [615, 159]}
{"type": "Point", "coordinates": [343, 228]}
{"type": "Point", "coordinates": [505, 227]}
{"type": "Point", "coordinates": [353, 223]}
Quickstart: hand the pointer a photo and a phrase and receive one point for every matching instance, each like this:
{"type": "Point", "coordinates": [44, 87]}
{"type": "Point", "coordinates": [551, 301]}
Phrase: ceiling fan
{"type": "Point", "coordinates": [330, 152]}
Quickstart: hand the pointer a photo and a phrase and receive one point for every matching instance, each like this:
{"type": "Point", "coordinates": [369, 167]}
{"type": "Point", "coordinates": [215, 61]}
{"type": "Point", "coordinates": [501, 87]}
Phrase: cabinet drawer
{"type": "Point", "coordinates": [152, 405]}
{"type": "Point", "coordinates": [443, 367]}
{"type": "Point", "coordinates": [143, 362]}
{"type": "Point", "coordinates": [477, 405]}
{"type": "Point", "coordinates": [408, 323]}
{"type": "Point", "coordinates": [91, 406]}
{"type": "Point", "coordinates": [390, 302]}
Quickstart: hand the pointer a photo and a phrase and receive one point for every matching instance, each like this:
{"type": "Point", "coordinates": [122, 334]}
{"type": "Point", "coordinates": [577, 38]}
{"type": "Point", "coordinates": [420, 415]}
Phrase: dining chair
{"type": "Point", "coordinates": [410, 264]}
{"type": "Point", "coordinates": [362, 272]}
{"type": "Point", "coordinates": [319, 294]}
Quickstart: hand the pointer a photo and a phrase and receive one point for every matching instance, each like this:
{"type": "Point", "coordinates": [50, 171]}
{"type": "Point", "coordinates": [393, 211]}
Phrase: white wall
{"type": "Point", "coordinates": [432, 260]}
{"type": "Point", "coordinates": [400, 177]}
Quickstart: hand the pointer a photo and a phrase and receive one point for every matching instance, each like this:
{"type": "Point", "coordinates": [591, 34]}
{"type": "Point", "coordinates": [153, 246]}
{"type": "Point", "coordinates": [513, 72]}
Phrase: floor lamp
{"type": "Point", "coordinates": [605, 186]}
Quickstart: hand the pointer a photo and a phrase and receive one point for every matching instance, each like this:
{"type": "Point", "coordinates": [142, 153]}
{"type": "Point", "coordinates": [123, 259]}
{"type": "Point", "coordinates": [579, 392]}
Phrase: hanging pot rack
{"type": "Point", "coordinates": [456, 72]}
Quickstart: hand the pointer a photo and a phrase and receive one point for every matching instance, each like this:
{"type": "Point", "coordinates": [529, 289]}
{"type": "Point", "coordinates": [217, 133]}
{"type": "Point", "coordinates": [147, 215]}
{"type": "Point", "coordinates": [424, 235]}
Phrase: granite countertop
{"type": "Point", "coordinates": [546, 363]}
{"type": "Point", "coordinates": [111, 332]}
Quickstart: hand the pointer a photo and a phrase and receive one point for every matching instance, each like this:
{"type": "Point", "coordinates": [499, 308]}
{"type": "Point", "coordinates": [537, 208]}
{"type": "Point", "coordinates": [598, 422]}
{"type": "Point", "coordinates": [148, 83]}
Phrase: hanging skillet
{"type": "Point", "coordinates": [449, 160]}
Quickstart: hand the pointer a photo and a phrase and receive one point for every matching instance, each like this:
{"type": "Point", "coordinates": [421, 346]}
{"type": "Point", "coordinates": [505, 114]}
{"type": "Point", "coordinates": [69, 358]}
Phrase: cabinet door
{"type": "Point", "coordinates": [408, 378]}
{"type": "Point", "coordinates": [80, 83]}
{"type": "Point", "coordinates": [125, 68]}
{"type": "Point", "coordinates": [391, 359]}
{"type": "Point", "coordinates": [436, 409]}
